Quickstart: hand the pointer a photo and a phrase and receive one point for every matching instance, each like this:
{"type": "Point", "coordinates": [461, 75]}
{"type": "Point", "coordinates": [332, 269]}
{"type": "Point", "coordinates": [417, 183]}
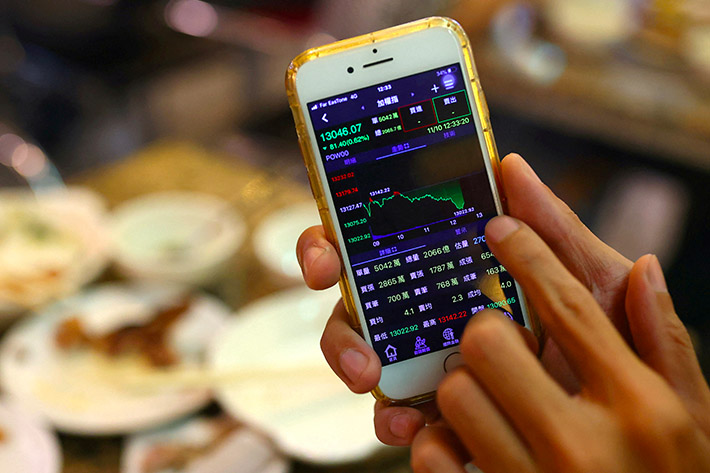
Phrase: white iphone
{"type": "Point", "coordinates": [396, 137]}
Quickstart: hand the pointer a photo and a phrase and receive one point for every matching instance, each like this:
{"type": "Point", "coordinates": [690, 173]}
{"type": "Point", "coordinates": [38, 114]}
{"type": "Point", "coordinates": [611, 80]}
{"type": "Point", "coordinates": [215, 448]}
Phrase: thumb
{"type": "Point", "coordinates": [661, 339]}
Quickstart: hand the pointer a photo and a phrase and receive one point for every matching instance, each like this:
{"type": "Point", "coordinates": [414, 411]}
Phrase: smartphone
{"type": "Point", "coordinates": [396, 138]}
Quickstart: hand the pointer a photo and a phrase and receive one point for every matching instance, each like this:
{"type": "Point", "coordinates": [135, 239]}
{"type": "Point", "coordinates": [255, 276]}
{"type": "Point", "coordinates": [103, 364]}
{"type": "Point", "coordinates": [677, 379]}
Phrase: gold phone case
{"type": "Point", "coordinates": [310, 158]}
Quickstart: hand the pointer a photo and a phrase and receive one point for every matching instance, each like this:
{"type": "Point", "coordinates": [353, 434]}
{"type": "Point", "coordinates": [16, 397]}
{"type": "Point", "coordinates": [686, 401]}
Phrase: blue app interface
{"type": "Point", "coordinates": [407, 175]}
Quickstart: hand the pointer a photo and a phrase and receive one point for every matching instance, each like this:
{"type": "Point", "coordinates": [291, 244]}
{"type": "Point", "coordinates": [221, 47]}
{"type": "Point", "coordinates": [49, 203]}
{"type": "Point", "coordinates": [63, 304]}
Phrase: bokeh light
{"type": "Point", "coordinates": [29, 161]}
{"type": "Point", "coordinates": [9, 143]}
{"type": "Point", "coordinates": [192, 17]}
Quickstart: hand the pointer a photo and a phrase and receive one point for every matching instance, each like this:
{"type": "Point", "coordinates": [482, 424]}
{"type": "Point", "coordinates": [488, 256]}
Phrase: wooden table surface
{"type": "Point", "coordinates": [255, 193]}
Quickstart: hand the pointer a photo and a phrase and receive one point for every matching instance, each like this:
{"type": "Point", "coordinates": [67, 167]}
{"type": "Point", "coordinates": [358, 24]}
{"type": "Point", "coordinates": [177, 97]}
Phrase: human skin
{"type": "Point", "coordinates": [624, 296]}
{"type": "Point", "coordinates": [509, 414]}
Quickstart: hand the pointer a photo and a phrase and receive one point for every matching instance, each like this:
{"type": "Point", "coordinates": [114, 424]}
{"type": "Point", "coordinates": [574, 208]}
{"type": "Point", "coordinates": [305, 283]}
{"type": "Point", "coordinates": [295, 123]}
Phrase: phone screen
{"type": "Point", "coordinates": [407, 176]}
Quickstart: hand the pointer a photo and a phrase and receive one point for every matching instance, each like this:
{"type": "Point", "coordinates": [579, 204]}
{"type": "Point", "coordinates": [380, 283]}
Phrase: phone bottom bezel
{"type": "Point", "coordinates": [414, 380]}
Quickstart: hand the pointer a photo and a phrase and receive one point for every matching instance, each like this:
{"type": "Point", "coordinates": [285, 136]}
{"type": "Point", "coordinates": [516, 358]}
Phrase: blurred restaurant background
{"type": "Point", "coordinates": [127, 125]}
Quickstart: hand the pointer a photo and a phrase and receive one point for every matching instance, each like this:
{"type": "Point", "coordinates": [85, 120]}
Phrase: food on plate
{"type": "Point", "coordinates": [35, 255]}
{"type": "Point", "coordinates": [50, 245]}
{"type": "Point", "coordinates": [3, 435]}
{"type": "Point", "coordinates": [80, 388]}
{"type": "Point", "coordinates": [176, 455]}
{"type": "Point", "coordinates": [147, 337]}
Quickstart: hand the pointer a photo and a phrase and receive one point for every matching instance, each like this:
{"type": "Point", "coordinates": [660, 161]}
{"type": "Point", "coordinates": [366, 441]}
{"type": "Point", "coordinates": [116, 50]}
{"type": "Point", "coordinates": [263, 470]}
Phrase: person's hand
{"type": "Point", "coordinates": [645, 412]}
{"type": "Point", "coordinates": [601, 269]}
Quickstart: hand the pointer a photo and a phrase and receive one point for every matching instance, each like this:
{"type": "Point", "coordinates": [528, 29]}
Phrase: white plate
{"type": "Point", "coordinates": [184, 237]}
{"type": "Point", "coordinates": [696, 46]}
{"type": "Point", "coordinates": [244, 450]}
{"type": "Point", "coordinates": [295, 398]}
{"type": "Point", "coordinates": [78, 254]}
{"type": "Point", "coordinates": [614, 20]}
{"type": "Point", "coordinates": [276, 236]}
{"type": "Point", "coordinates": [77, 391]}
{"type": "Point", "coordinates": [28, 445]}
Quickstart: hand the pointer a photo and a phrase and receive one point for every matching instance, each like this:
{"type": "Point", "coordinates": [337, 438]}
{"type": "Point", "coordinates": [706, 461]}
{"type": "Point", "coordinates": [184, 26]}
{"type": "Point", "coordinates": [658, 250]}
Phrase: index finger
{"type": "Point", "coordinates": [588, 339]}
{"type": "Point", "coordinates": [599, 267]}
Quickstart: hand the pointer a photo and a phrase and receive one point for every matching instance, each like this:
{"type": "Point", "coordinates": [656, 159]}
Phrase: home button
{"type": "Point", "coordinates": [452, 361]}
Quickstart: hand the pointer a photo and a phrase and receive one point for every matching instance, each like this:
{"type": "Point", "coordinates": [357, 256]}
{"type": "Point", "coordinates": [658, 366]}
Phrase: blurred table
{"type": "Point", "coordinates": [255, 193]}
{"type": "Point", "coordinates": [660, 112]}
{"type": "Point", "coordinates": [182, 166]}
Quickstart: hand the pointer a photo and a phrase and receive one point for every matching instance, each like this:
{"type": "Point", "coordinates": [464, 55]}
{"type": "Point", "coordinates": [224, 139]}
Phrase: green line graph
{"type": "Point", "coordinates": [448, 191]}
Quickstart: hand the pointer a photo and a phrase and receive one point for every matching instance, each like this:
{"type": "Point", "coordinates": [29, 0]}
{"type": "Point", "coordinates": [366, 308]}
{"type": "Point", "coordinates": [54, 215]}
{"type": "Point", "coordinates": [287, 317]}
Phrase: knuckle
{"type": "Point", "coordinates": [678, 335]}
{"type": "Point", "coordinates": [674, 423]}
{"type": "Point", "coordinates": [533, 255]}
{"type": "Point", "coordinates": [571, 304]}
{"type": "Point", "coordinates": [579, 455]}
{"type": "Point", "coordinates": [383, 435]}
{"type": "Point", "coordinates": [581, 461]}
{"type": "Point", "coordinates": [572, 298]}
{"type": "Point", "coordinates": [382, 431]}
{"type": "Point", "coordinates": [605, 271]}
{"type": "Point", "coordinates": [572, 216]}
{"type": "Point", "coordinates": [659, 418]}
{"type": "Point", "coordinates": [578, 446]}
{"type": "Point", "coordinates": [655, 417]}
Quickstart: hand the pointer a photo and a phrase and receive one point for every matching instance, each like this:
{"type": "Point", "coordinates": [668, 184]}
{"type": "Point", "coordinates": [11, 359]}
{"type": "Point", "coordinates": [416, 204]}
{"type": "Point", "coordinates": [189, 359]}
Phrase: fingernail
{"type": "Point", "coordinates": [529, 170]}
{"type": "Point", "coordinates": [399, 426]}
{"type": "Point", "coordinates": [500, 227]}
{"type": "Point", "coordinates": [312, 254]}
{"type": "Point", "coordinates": [353, 363]}
{"type": "Point", "coordinates": [654, 273]}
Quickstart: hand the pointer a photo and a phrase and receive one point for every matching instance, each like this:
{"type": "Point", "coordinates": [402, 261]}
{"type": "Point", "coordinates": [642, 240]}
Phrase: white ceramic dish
{"type": "Point", "coordinates": [81, 391]}
{"type": "Point", "coordinates": [291, 393]}
{"type": "Point", "coordinates": [614, 20]}
{"type": "Point", "coordinates": [51, 244]}
{"type": "Point", "coordinates": [183, 237]}
{"type": "Point", "coordinates": [696, 47]}
{"type": "Point", "coordinates": [28, 445]}
{"type": "Point", "coordinates": [242, 450]}
{"type": "Point", "coordinates": [275, 238]}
